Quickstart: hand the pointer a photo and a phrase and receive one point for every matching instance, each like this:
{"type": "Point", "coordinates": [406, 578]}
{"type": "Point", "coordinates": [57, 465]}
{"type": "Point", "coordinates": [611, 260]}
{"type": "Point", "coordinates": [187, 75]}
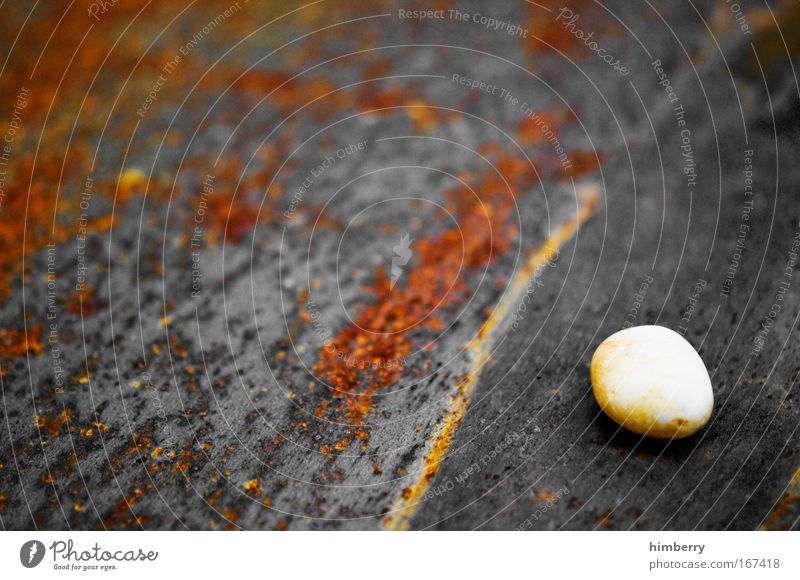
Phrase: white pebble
{"type": "Point", "coordinates": [650, 380]}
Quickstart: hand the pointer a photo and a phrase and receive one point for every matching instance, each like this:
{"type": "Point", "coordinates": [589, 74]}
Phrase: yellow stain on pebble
{"type": "Point", "coordinates": [651, 381]}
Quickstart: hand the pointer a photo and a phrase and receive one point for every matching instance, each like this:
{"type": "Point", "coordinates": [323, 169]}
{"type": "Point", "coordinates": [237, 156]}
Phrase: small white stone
{"type": "Point", "coordinates": [650, 380]}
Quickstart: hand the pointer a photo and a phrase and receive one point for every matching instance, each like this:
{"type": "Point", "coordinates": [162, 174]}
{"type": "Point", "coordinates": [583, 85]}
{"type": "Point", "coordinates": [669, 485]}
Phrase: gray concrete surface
{"type": "Point", "coordinates": [208, 418]}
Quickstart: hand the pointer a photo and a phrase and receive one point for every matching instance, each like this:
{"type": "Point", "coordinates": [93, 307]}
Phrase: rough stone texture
{"type": "Point", "coordinates": [223, 383]}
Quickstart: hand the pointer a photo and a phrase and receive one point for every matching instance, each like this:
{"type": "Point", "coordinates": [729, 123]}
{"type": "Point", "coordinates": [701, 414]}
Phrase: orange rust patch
{"type": "Point", "coordinates": [479, 349]}
{"type": "Point", "coordinates": [367, 355]}
{"type": "Point", "coordinates": [605, 519]}
{"type": "Point", "coordinates": [544, 495]}
{"type": "Point", "coordinates": [546, 30]}
{"type": "Point", "coordinates": [582, 163]}
{"type": "Point", "coordinates": [254, 487]}
{"type": "Point", "coordinates": [54, 426]}
{"type": "Point", "coordinates": [788, 504]}
{"type": "Point", "coordinates": [14, 343]}
{"type": "Point", "coordinates": [122, 516]}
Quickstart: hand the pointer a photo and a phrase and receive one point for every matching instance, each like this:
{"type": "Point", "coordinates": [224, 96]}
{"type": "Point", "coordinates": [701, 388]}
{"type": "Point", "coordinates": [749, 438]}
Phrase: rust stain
{"type": "Point", "coordinates": [790, 501]}
{"type": "Point", "coordinates": [363, 358]}
{"type": "Point", "coordinates": [479, 350]}
{"type": "Point", "coordinates": [14, 343]}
